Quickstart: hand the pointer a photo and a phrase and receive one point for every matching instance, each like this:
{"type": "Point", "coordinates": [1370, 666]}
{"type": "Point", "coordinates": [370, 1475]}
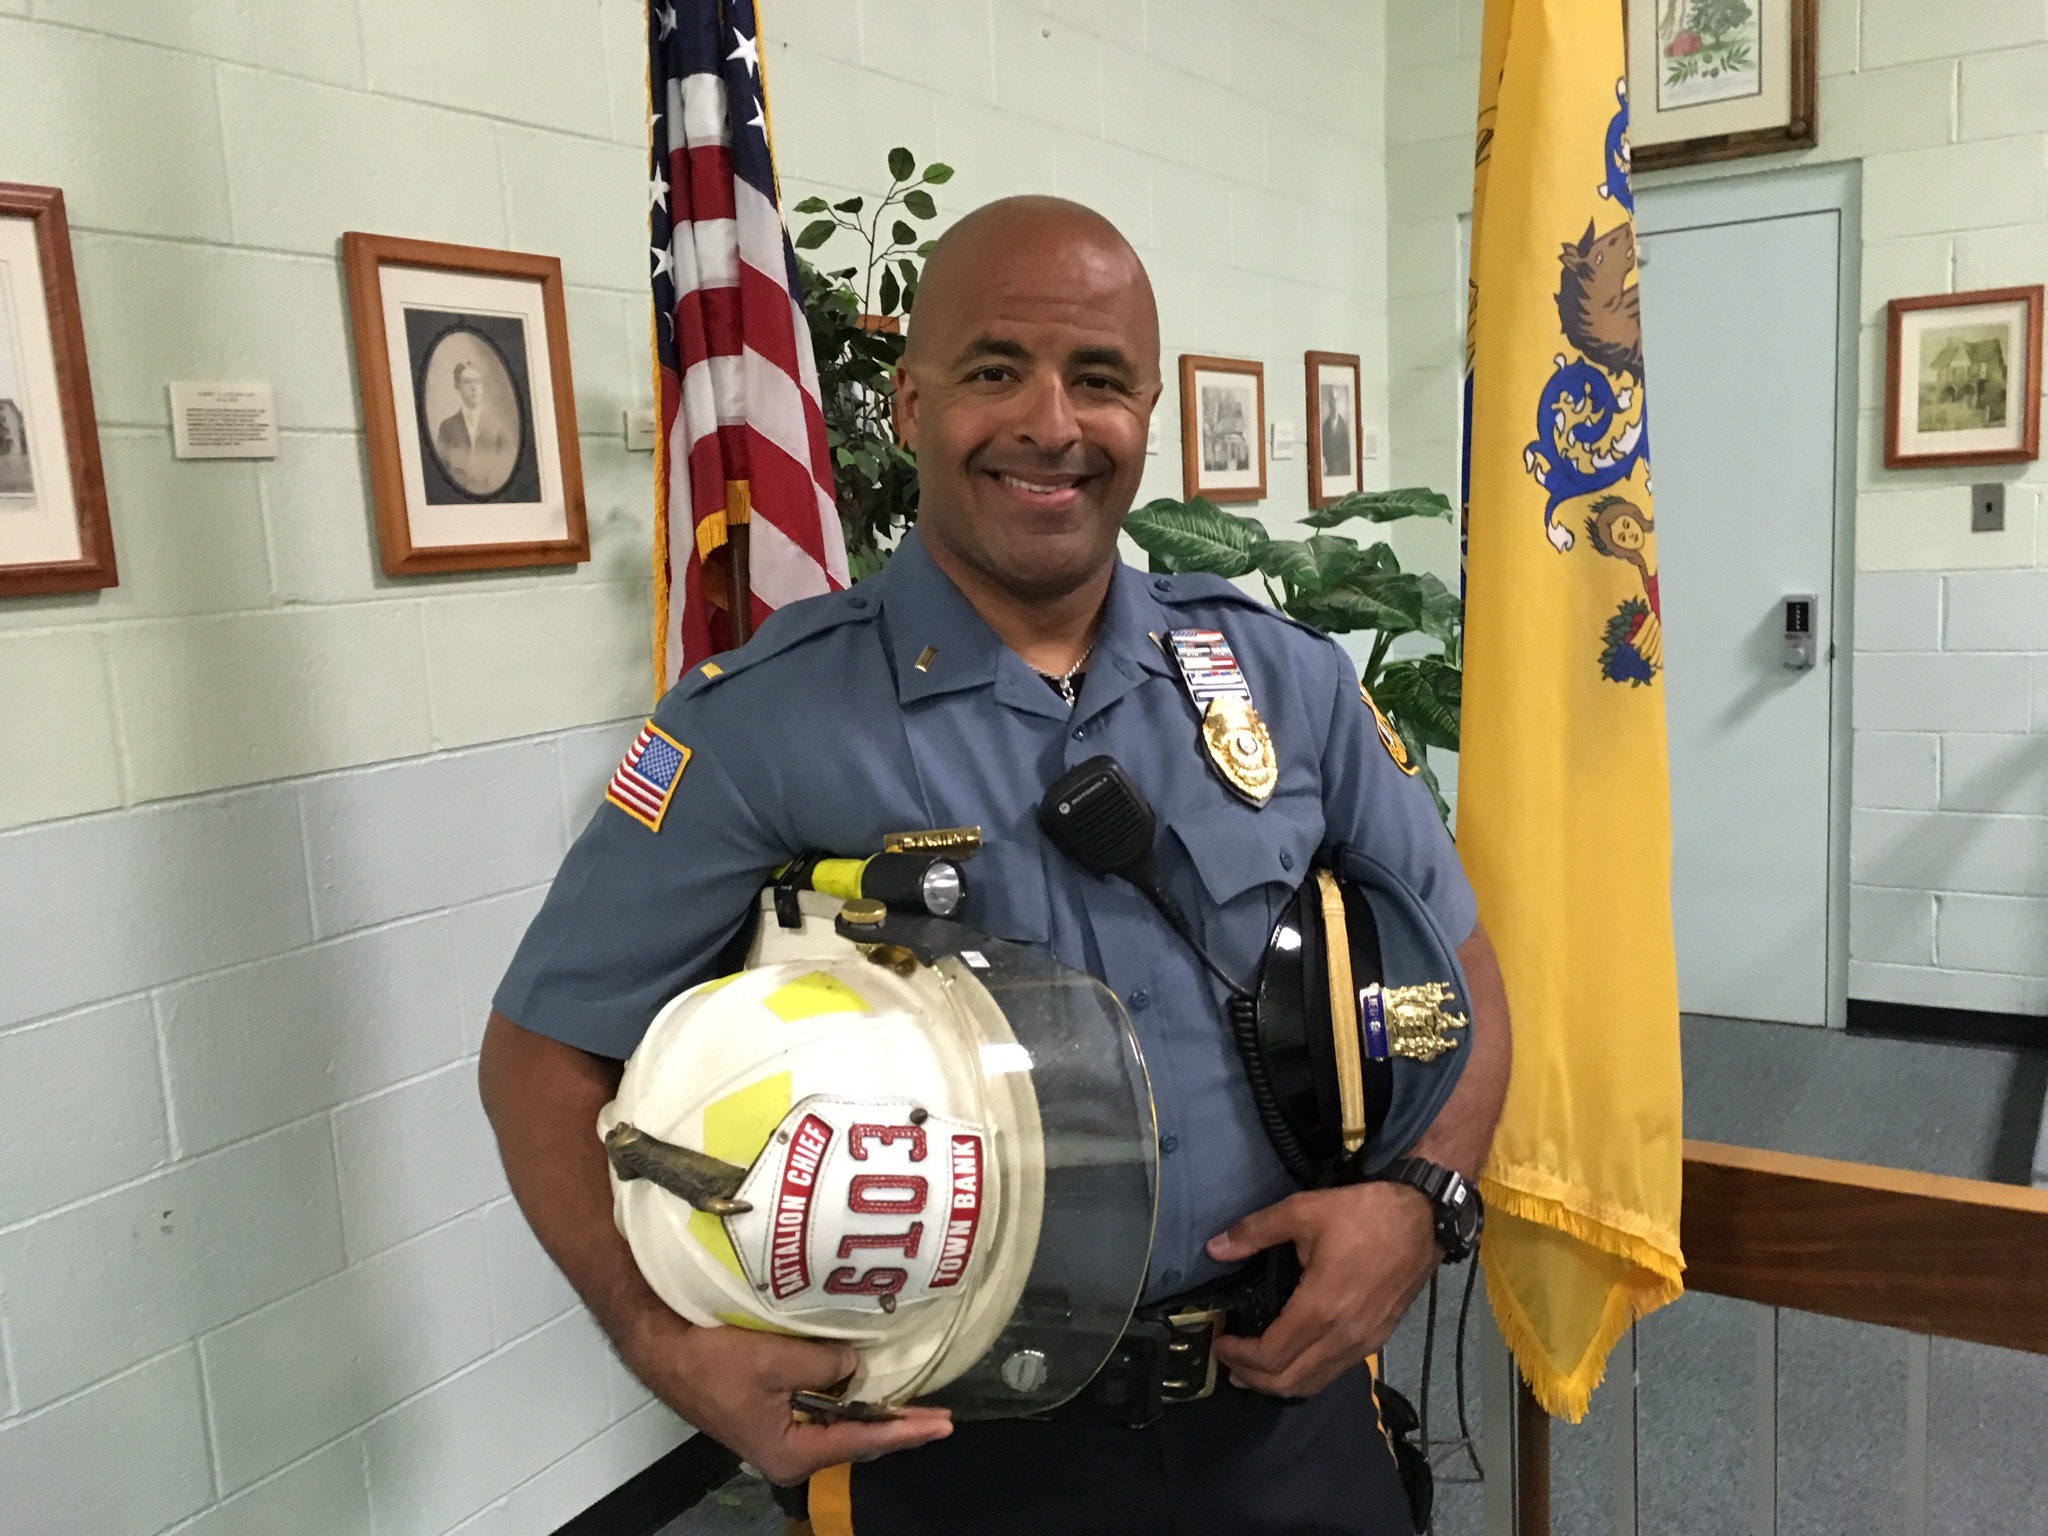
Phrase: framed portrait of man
{"type": "Point", "coordinates": [1336, 437]}
{"type": "Point", "coordinates": [54, 532]}
{"type": "Point", "coordinates": [462, 356]}
{"type": "Point", "coordinates": [1963, 379]}
{"type": "Point", "coordinates": [1222, 428]}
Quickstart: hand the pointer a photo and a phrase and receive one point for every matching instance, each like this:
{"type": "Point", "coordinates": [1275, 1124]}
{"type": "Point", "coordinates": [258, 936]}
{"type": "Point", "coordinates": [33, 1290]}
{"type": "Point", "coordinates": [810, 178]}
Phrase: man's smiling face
{"type": "Point", "coordinates": [1026, 391]}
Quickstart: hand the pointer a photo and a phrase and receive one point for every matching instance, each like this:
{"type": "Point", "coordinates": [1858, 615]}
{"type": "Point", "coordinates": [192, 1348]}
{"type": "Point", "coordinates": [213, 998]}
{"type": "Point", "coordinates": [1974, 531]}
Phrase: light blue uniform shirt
{"type": "Point", "coordinates": [824, 733]}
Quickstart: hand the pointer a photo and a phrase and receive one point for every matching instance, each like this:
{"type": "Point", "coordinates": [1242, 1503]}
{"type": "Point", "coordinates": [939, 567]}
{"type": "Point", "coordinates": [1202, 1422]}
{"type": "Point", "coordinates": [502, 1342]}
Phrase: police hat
{"type": "Point", "coordinates": [1356, 1033]}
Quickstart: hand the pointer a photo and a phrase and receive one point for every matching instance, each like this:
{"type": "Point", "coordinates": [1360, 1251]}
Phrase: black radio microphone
{"type": "Point", "coordinates": [1098, 818]}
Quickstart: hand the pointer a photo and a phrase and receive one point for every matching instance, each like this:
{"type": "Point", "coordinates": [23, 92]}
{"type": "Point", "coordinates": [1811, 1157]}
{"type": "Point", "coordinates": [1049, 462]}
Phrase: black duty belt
{"type": "Point", "coordinates": [1167, 1353]}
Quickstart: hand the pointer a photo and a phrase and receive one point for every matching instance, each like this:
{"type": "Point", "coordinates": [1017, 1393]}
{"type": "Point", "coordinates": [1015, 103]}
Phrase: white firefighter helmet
{"type": "Point", "coordinates": [947, 1162]}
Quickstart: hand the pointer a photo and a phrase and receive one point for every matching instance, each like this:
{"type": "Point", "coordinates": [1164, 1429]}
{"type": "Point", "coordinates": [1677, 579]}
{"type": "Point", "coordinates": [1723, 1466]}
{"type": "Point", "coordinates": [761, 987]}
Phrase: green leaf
{"type": "Point", "coordinates": [851, 205]}
{"type": "Point", "coordinates": [909, 270]}
{"type": "Point", "coordinates": [937, 175]}
{"type": "Point", "coordinates": [815, 234]}
{"type": "Point", "coordinates": [810, 205]}
{"type": "Point", "coordinates": [1313, 565]}
{"type": "Point", "coordinates": [1196, 536]}
{"type": "Point", "coordinates": [1382, 507]}
{"type": "Point", "coordinates": [1388, 601]}
{"type": "Point", "coordinates": [919, 204]}
{"type": "Point", "coordinates": [1442, 611]}
{"type": "Point", "coordinates": [902, 233]}
{"type": "Point", "coordinates": [901, 163]}
{"type": "Point", "coordinates": [1422, 695]}
{"type": "Point", "coordinates": [891, 292]}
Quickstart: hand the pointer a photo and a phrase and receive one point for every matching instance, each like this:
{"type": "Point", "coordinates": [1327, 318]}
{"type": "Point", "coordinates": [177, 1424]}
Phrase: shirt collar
{"type": "Point", "coordinates": [939, 644]}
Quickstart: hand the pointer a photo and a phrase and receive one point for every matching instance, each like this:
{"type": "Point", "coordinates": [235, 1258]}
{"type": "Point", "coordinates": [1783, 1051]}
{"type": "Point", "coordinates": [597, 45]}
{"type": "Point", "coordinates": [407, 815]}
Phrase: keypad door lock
{"type": "Point", "coordinates": [1799, 609]}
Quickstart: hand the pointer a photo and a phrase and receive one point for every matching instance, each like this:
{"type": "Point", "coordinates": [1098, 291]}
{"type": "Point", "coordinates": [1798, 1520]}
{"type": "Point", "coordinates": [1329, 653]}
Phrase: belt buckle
{"type": "Point", "coordinates": [1190, 1373]}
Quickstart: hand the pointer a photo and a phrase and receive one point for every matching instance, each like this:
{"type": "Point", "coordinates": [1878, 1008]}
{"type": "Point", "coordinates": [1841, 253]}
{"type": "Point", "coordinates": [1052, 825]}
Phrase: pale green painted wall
{"type": "Point", "coordinates": [213, 151]}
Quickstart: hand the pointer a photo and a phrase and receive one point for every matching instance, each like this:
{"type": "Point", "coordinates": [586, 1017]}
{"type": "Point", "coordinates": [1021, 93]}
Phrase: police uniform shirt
{"type": "Point", "coordinates": [894, 706]}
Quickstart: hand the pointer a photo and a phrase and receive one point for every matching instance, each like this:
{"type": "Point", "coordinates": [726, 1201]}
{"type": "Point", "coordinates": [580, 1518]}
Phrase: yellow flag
{"type": "Point", "coordinates": [1564, 819]}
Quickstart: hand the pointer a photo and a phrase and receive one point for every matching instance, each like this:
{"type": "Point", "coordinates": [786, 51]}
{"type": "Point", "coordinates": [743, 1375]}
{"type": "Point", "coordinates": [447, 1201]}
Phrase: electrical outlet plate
{"type": "Point", "coordinates": [1152, 438]}
{"type": "Point", "coordinates": [640, 430]}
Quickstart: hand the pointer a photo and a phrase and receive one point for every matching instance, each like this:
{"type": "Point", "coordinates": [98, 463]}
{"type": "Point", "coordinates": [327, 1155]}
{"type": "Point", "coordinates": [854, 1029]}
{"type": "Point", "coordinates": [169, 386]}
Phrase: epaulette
{"type": "Point", "coordinates": [786, 629]}
{"type": "Point", "coordinates": [1190, 588]}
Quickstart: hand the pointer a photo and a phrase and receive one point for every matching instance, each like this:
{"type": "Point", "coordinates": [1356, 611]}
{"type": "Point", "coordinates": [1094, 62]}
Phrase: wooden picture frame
{"type": "Point", "coordinates": [1696, 96]}
{"type": "Point", "coordinates": [1222, 437]}
{"type": "Point", "coordinates": [1336, 429]}
{"type": "Point", "coordinates": [1953, 393]}
{"type": "Point", "coordinates": [55, 535]}
{"type": "Point", "coordinates": [469, 408]}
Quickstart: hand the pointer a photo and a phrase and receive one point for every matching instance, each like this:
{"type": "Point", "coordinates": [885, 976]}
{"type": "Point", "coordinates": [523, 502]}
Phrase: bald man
{"type": "Point", "coordinates": [1003, 643]}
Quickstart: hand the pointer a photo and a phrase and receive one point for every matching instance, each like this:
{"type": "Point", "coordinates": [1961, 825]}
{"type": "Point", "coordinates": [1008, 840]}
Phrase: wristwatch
{"type": "Point", "coordinates": [1458, 1213]}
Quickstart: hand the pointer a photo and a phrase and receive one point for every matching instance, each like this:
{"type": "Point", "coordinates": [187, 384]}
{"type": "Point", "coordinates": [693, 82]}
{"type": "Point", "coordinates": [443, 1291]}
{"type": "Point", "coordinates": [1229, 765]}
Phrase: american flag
{"type": "Point", "coordinates": [743, 436]}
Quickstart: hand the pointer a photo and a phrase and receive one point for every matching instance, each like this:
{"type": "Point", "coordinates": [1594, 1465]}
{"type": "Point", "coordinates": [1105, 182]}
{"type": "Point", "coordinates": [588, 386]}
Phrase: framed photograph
{"type": "Point", "coordinates": [1222, 428]}
{"type": "Point", "coordinates": [1962, 380]}
{"type": "Point", "coordinates": [462, 357]}
{"type": "Point", "coordinates": [1720, 79]}
{"type": "Point", "coordinates": [54, 535]}
{"type": "Point", "coordinates": [1336, 437]}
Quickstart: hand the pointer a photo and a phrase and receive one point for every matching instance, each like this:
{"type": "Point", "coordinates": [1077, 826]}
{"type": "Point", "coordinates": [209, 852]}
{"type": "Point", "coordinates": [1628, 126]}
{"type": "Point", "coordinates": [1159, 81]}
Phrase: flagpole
{"type": "Point", "coordinates": [739, 589]}
{"type": "Point", "coordinates": [1532, 1463]}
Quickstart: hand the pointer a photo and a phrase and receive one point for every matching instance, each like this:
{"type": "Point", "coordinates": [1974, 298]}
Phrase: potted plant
{"type": "Point", "coordinates": [856, 320]}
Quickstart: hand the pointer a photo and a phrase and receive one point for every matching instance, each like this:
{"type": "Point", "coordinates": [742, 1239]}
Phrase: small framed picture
{"type": "Point", "coordinates": [1720, 79]}
{"type": "Point", "coordinates": [1963, 379]}
{"type": "Point", "coordinates": [1222, 428]}
{"type": "Point", "coordinates": [1336, 438]}
{"type": "Point", "coordinates": [54, 535]}
{"type": "Point", "coordinates": [462, 357]}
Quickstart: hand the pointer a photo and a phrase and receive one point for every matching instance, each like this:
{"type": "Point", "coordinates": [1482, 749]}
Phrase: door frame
{"type": "Point", "coordinates": [1750, 198]}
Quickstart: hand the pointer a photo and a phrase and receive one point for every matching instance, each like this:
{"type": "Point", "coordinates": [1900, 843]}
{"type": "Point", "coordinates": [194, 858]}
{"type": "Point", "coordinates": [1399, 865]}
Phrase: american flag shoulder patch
{"type": "Point", "coordinates": [647, 776]}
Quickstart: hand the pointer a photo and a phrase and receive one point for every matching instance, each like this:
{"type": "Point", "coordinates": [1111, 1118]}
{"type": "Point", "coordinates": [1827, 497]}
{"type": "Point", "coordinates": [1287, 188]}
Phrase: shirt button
{"type": "Point", "coordinates": [1162, 585]}
{"type": "Point", "coordinates": [1170, 1277]}
{"type": "Point", "coordinates": [1169, 1144]}
{"type": "Point", "coordinates": [1080, 732]}
{"type": "Point", "coordinates": [1139, 1000]}
{"type": "Point", "coordinates": [858, 600]}
{"type": "Point", "coordinates": [1287, 861]}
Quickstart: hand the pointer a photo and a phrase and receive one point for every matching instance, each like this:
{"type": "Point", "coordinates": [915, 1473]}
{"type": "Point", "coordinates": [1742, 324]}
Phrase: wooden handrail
{"type": "Point", "coordinates": [1955, 1258]}
{"type": "Point", "coordinates": [1952, 1258]}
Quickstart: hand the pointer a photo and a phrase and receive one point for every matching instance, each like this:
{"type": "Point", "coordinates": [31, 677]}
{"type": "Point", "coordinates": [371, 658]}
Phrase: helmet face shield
{"type": "Point", "coordinates": [950, 1166]}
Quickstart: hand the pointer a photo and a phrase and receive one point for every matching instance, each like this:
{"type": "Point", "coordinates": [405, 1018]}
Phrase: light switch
{"type": "Point", "coordinates": [640, 430]}
{"type": "Point", "coordinates": [1987, 507]}
{"type": "Point", "coordinates": [1282, 440]}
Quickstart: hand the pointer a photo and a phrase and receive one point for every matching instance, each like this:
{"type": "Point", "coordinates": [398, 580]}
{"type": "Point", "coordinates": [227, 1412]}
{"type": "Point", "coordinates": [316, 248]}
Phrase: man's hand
{"type": "Point", "coordinates": [734, 1384]}
{"type": "Point", "coordinates": [1365, 1250]}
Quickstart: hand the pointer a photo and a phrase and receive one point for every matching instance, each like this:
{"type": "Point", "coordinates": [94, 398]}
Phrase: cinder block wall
{"type": "Point", "coordinates": [1946, 106]}
{"type": "Point", "coordinates": [274, 822]}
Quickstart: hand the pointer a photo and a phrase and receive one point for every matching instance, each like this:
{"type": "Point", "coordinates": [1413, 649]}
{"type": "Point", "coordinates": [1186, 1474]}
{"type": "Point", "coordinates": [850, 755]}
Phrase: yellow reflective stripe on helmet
{"type": "Point", "coordinates": [807, 997]}
{"type": "Point", "coordinates": [736, 1128]}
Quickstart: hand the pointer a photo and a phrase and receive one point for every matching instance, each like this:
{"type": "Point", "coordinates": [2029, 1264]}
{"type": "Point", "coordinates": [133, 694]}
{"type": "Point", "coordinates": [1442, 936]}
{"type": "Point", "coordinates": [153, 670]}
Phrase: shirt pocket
{"type": "Point", "coordinates": [1006, 893]}
{"type": "Point", "coordinates": [1236, 849]}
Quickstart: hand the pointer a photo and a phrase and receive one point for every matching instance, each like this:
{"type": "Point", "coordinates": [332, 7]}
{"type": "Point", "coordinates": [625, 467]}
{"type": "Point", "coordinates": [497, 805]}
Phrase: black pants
{"type": "Point", "coordinates": [1236, 1464]}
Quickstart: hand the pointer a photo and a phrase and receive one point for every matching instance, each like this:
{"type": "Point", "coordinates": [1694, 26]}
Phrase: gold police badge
{"type": "Point", "coordinates": [1239, 746]}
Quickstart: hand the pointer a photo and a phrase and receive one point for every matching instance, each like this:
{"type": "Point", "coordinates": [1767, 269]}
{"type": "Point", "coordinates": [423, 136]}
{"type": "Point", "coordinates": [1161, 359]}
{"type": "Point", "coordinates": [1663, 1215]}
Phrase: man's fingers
{"type": "Point", "coordinates": [801, 1365]}
{"type": "Point", "coordinates": [1269, 1228]}
{"type": "Point", "coordinates": [811, 1446]}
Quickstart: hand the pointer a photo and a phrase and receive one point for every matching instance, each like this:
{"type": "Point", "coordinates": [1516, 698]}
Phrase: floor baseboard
{"type": "Point", "coordinates": [1948, 1026]}
{"type": "Point", "coordinates": [645, 1503]}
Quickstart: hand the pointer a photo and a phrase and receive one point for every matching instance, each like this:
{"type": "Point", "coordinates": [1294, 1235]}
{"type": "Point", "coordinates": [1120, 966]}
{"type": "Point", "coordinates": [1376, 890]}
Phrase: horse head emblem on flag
{"type": "Point", "coordinates": [1592, 440]}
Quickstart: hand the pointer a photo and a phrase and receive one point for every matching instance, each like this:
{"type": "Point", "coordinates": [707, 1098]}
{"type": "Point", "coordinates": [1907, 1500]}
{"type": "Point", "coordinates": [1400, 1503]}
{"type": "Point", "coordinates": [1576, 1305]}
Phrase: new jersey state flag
{"type": "Point", "coordinates": [1564, 820]}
